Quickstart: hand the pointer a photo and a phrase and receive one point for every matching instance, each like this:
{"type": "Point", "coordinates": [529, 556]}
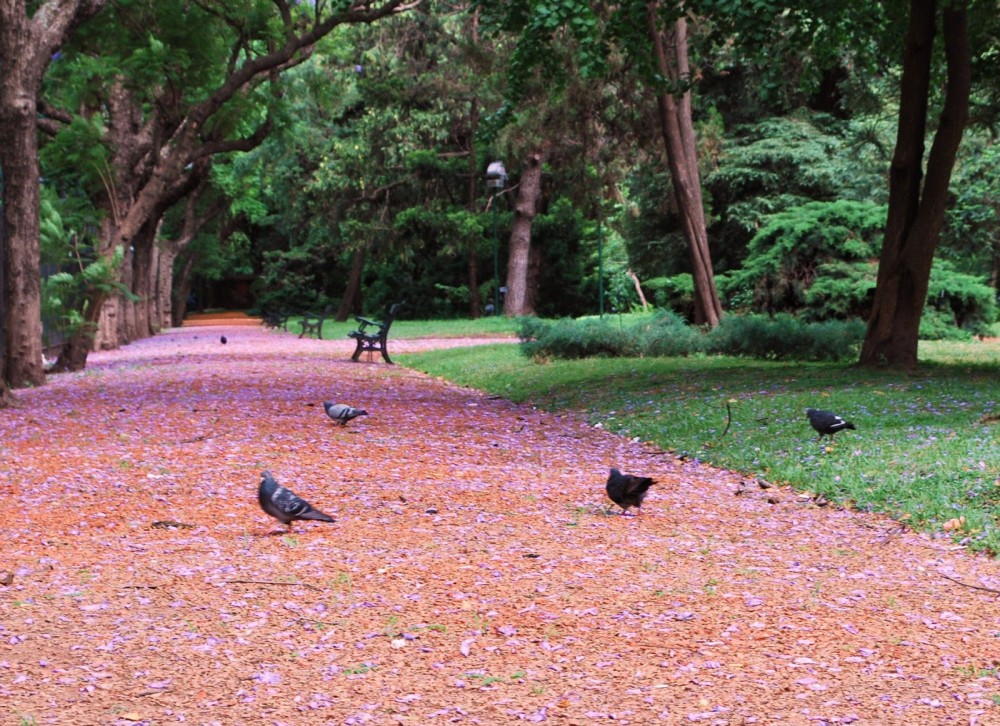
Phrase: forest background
{"type": "Point", "coordinates": [700, 157]}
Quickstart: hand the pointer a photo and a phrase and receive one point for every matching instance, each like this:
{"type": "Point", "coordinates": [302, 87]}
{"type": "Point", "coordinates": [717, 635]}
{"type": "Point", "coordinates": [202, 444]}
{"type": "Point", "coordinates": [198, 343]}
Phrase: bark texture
{"type": "Point", "coordinates": [26, 48]}
{"type": "Point", "coordinates": [916, 202]}
{"type": "Point", "coordinates": [674, 108]}
{"type": "Point", "coordinates": [520, 298]}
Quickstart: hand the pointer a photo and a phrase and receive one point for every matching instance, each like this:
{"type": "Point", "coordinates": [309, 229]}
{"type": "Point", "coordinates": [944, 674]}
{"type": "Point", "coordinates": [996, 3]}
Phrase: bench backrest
{"type": "Point", "coordinates": [389, 317]}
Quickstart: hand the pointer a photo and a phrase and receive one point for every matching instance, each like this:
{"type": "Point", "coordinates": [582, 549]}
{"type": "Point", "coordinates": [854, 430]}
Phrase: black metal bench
{"type": "Point", "coordinates": [372, 335]}
{"type": "Point", "coordinates": [313, 322]}
{"type": "Point", "coordinates": [276, 319]}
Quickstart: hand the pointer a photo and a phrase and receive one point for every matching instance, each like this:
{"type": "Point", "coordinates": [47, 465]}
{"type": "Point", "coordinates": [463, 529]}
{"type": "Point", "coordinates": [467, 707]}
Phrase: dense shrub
{"type": "Point", "coordinates": [783, 337]}
{"type": "Point", "coordinates": [584, 338]}
{"type": "Point", "coordinates": [668, 335]}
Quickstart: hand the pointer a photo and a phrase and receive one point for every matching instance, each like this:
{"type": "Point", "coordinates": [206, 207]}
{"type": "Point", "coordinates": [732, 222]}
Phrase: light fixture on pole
{"type": "Point", "coordinates": [496, 180]}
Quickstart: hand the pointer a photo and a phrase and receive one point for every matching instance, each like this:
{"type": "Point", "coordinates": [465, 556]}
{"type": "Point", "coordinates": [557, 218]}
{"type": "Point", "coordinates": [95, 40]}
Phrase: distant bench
{"type": "Point", "coordinates": [373, 335]}
{"type": "Point", "coordinates": [276, 319]}
{"type": "Point", "coordinates": [313, 322]}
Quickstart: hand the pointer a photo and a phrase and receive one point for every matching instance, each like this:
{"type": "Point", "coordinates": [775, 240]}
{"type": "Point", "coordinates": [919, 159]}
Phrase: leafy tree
{"type": "Point", "coordinates": [197, 82]}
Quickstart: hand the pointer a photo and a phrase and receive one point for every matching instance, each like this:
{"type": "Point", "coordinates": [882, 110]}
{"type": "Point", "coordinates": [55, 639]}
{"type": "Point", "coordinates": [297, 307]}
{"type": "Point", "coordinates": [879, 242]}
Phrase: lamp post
{"type": "Point", "coordinates": [496, 180]}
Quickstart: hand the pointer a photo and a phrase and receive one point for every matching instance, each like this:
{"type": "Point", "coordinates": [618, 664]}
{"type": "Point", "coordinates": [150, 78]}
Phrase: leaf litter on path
{"type": "Point", "coordinates": [473, 573]}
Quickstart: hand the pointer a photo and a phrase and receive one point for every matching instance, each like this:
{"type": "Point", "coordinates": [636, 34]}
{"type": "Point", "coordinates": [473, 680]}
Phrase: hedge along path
{"type": "Point", "coordinates": [471, 576]}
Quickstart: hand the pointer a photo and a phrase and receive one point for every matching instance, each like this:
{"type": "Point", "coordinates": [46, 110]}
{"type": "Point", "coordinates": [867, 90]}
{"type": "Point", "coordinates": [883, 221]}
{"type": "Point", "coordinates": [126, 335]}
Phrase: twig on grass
{"type": "Point", "coordinates": [729, 420]}
{"type": "Point", "coordinates": [273, 582]}
{"type": "Point", "coordinates": [965, 584]}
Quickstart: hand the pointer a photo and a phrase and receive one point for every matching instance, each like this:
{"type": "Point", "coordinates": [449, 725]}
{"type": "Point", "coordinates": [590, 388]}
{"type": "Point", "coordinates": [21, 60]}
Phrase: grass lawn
{"type": "Point", "coordinates": [926, 449]}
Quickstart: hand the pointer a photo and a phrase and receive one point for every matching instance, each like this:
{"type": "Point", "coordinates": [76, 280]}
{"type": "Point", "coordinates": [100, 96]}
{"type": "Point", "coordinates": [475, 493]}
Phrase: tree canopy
{"type": "Point", "coordinates": [335, 154]}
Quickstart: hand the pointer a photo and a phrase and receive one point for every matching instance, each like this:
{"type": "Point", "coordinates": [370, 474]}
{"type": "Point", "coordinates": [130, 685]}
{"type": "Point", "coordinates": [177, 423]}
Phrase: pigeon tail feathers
{"type": "Point", "coordinates": [285, 505]}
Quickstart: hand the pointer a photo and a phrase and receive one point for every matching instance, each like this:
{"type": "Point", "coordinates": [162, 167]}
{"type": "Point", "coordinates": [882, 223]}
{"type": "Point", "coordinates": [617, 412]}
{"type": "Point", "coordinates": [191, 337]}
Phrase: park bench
{"type": "Point", "coordinates": [313, 322]}
{"type": "Point", "coordinates": [372, 335]}
{"type": "Point", "coordinates": [276, 319]}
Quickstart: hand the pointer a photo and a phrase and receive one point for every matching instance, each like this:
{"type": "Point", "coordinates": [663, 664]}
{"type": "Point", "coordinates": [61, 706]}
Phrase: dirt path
{"type": "Point", "coordinates": [471, 576]}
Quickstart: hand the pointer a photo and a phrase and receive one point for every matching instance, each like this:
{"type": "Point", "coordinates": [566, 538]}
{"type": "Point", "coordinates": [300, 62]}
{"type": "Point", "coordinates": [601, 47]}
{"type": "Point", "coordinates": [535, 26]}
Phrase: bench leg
{"type": "Point", "coordinates": [357, 351]}
{"type": "Point", "coordinates": [385, 353]}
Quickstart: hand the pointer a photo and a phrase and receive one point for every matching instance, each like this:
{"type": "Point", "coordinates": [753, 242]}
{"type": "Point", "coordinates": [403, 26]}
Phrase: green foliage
{"type": "Point", "coordinates": [674, 293]}
{"type": "Point", "coordinates": [786, 256]}
{"type": "Point", "coordinates": [777, 164]}
{"type": "Point", "coordinates": [782, 337]}
{"type": "Point", "coordinates": [964, 303]}
{"type": "Point", "coordinates": [569, 339]}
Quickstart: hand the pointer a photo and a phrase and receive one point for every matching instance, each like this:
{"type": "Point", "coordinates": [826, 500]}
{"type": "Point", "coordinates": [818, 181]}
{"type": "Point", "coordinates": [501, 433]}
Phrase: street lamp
{"type": "Point", "coordinates": [496, 180]}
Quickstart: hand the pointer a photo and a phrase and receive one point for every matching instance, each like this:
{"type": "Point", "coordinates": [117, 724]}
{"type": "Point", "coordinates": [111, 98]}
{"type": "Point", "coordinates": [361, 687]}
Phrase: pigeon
{"type": "Point", "coordinates": [827, 422]}
{"type": "Point", "coordinates": [223, 340]}
{"type": "Point", "coordinates": [284, 504]}
{"type": "Point", "coordinates": [342, 413]}
{"type": "Point", "coordinates": [626, 490]}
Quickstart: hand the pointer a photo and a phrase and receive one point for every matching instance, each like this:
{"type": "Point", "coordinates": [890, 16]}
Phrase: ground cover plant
{"type": "Point", "coordinates": [475, 571]}
{"type": "Point", "coordinates": [927, 448]}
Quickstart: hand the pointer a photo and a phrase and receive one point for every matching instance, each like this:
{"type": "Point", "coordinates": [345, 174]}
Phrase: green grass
{"type": "Point", "coordinates": [407, 329]}
{"type": "Point", "coordinates": [927, 448]}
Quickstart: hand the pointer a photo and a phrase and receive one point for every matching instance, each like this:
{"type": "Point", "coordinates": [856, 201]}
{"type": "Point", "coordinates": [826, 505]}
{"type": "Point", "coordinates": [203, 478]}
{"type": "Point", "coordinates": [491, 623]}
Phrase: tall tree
{"type": "Point", "coordinates": [520, 293]}
{"type": "Point", "coordinates": [27, 44]}
{"type": "Point", "coordinates": [670, 49]}
{"type": "Point", "coordinates": [652, 37]}
{"type": "Point", "coordinates": [917, 200]}
{"type": "Point", "coordinates": [163, 135]}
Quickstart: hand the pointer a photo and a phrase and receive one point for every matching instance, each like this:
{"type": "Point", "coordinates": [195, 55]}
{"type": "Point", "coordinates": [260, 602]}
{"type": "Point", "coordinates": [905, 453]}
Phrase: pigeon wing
{"type": "Point", "coordinates": [292, 507]}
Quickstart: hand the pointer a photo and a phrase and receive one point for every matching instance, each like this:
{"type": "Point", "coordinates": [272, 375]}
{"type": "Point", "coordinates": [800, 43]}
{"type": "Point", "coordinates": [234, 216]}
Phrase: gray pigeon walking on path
{"type": "Point", "coordinates": [827, 422]}
{"type": "Point", "coordinates": [342, 413]}
{"type": "Point", "coordinates": [285, 505]}
{"type": "Point", "coordinates": [626, 490]}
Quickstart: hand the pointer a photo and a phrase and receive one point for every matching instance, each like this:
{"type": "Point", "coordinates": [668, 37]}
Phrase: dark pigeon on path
{"type": "Point", "coordinates": [827, 422]}
{"type": "Point", "coordinates": [284, 504]}
{"type": "Point", "coordinates": [626, 490]}
{"type": "Point", "coordinates": [223, 340]}
{"type": "Point", "coordinates": [342, 413]}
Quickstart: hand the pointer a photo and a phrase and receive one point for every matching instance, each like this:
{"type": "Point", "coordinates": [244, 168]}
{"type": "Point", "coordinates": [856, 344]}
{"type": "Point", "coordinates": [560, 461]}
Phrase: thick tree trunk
{"type": "Point", "coordinates": [677, 128]}
{"type": "Point", "coordinates": [916, 210]}
{"type": "Point", "coordinates": [20, 77]}
{"type": "Point", "coordinates": [529, 193]}
{"type": "Point", "coordinates": [26, 48]}
{"type": "Point", "coordinates": [350, 304]}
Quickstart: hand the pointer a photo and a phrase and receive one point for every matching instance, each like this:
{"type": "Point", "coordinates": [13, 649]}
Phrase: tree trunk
{"type": "Point", "coordinates": [19, 82]}
{"type": "Point", "coordinates": [677, 128]}
{"type": "Point", "coordinates": [180, 295]}
{"type": "Point", "coordinates": [162, 305]}
{"type": "Point", "coordinates": [916, 210]}
{"type": "Point", "coordinates": [351, 302]}
{"type": "Point", "coordinates": [475, 307]}
{"type": "Point", "coordinates": [529, 193]}
{"type": "Point", "coordinates": [26, 48]}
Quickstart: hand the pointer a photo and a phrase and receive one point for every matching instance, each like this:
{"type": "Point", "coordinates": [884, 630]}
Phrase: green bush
{"type": "Point", "coordinates": [668, 335]}
{"type": "Point", "coordinates": [783, 337]}
{"type": "Point", "coordinates": [584, 338]}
